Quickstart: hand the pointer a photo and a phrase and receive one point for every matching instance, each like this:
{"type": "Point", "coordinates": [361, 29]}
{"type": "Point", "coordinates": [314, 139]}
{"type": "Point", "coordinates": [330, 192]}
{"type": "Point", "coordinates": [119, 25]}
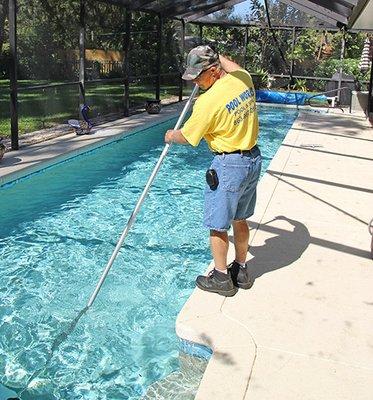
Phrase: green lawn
{"type": "Point", "coordinates": [43, 108]}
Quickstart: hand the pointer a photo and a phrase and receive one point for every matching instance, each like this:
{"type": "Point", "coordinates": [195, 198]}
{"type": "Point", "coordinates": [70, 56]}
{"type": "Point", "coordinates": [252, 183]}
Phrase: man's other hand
{"type": "Point", "coordinates": [175, 136]}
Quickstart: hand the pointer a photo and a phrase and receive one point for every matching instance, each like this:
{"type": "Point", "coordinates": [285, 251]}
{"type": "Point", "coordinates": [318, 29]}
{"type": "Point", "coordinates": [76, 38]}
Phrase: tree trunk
{"type": "Point", "coordinates": [4, 7]}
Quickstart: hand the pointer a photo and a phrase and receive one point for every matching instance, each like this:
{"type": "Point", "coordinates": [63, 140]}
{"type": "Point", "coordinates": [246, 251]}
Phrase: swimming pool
{"type": "Point", "coordinates": [58, 230]}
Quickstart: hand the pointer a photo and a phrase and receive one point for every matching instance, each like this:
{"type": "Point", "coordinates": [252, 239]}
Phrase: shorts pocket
{"type": "Point", "coordinates": [234, 177]}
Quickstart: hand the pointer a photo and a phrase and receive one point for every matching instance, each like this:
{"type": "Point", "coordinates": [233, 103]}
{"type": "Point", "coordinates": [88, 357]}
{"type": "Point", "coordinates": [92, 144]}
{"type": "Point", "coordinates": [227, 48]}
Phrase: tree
{"type": "Point", "coordinates": [4, 9]}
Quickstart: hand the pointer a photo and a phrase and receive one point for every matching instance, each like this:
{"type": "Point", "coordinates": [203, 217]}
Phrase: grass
{"type": "Point", "coordinates": [44, 108]}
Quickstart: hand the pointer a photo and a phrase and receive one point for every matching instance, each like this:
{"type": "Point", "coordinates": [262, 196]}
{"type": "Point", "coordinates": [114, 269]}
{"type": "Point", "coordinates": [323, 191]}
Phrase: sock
{"type": "Point", "coordinates": [243, 265]}
{"type": "Point", "coordinates": [225, 272]}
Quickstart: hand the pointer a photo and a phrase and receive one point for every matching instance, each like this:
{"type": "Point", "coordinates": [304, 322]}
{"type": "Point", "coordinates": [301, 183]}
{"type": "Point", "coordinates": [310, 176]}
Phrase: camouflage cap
{"type": "Point", "coordinates": [199, 59]}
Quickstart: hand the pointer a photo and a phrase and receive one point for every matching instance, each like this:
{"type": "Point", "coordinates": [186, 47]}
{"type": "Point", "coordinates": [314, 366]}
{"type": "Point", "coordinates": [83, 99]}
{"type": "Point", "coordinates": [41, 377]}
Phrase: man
{"type": "Point", "coordinates": [225, 116]}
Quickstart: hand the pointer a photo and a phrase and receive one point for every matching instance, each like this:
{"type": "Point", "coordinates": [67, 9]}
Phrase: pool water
{"type": "Point", "coordinates": [58, 230]}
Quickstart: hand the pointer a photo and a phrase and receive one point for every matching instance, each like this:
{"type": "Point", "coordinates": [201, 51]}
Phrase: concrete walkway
{"type": "Point", "coordinates": [305, 329]}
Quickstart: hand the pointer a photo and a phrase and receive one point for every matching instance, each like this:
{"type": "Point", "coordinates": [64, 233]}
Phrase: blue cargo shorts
{"type": "Point", "coordinates": [235, 196]}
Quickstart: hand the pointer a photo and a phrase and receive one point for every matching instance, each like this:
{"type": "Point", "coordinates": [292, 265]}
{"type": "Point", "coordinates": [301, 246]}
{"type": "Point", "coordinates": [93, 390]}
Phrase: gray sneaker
{"type": "Point", "coordinates": [217, 282]}
{"type": "Point", "coordinates": [240, 276]}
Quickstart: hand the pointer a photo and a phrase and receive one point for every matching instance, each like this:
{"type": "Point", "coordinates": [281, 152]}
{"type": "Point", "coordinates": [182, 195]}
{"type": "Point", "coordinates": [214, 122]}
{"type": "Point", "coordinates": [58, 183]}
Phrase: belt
{"type": "Point", "coordinates": [252, 152]}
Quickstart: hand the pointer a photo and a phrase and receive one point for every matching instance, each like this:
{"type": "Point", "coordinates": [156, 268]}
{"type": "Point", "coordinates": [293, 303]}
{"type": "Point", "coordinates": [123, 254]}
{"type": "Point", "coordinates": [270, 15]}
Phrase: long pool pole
{"type": "Point", "coordinates": [140, 200]}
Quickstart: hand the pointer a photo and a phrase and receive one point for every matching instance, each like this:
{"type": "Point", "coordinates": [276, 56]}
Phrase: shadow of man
{"type": "Point", "coordinates": [280, 250]}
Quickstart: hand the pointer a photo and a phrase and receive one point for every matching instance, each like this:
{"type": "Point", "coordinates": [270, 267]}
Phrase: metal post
{"type": "Point", "coordinates": [370, 94]}
{"type": "Point", "coordinates": [82, 53]}
{"type": "Point", "coordinates": [159, 56]}
{"type": "Point", "coordinates": [292, 52]}
{"type": "Point", "coordinates": [343, 44]}
{"type": "Point", "coordinates": [126, 62]}
{"type": "Point", "coordinates": [13, 73]}
{"type": "Point", "coordinates": [245, 47]}
{"type": "Point", "coordinates": [182, 50]}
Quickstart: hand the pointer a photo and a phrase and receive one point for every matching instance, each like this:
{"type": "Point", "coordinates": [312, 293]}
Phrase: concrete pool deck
{"type": "Point", "coordinates": [304, 331]}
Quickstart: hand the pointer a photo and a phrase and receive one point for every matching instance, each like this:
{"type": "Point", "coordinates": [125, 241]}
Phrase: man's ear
{"type": "Point", "coordinates": [215, 70]}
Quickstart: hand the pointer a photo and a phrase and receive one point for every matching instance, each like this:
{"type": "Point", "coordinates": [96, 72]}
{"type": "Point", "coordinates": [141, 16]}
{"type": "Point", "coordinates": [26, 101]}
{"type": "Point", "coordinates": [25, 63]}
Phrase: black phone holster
{"type": "Point", "coordinates": [212, 179]}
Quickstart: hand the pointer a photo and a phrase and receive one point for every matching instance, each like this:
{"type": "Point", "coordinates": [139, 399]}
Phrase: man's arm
{"type": "Point", "coordinates": [173, 136]}
{"type": "Point", "coordinates": [228, 65]}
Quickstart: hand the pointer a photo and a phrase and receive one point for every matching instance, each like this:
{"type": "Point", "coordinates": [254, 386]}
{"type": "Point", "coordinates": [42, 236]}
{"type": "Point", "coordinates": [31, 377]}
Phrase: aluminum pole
{"type": "Point", "coordinates": [343, 45]}
{"type": "Point", "coordinates": [13, 74]}
{"type": "Point", "coordinates": [140, 201]}
{"type": "Point", "coordinates": [126, 62]}
{"type": "Point", "coordinates": [82, 31]}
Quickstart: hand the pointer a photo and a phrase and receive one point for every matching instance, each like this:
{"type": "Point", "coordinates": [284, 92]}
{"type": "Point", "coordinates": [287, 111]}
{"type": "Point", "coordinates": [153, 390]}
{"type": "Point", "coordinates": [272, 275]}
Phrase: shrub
{"type": "Point", "coordinates": [260, 78]}
{"type": "Point", "coordinates": [5, 61]}
{"type": "Point", "coordinates": [328, 67]}
{"type": "Point", "coordinates": [300, 84]}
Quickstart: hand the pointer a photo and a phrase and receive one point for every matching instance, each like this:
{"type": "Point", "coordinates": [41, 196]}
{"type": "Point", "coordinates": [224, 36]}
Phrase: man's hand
{"type": "Point", "coordinates": [228, 65]}
{"type": "Point", "coordinates": [168, 136]}
{"type": "Point", "coordinates": [175, 136]}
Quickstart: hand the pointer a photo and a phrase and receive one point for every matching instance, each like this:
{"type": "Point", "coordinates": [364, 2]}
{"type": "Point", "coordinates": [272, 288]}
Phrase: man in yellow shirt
{"type": "Point", "coordinates": [226, 117]}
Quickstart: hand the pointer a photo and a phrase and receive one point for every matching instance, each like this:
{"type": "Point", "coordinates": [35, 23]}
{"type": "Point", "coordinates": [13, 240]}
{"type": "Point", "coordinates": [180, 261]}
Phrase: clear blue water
{"type": "Point", "coordinates": [58, 230]}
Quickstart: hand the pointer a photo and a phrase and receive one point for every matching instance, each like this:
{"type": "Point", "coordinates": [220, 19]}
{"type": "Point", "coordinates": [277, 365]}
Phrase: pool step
{"type": "Point", "coordinates": [179, 385]}
{"type": "Point", "coordinates": [6, 393]}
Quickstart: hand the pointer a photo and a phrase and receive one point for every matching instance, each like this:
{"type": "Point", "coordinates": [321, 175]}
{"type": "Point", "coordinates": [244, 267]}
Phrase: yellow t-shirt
{"type": "Point", "coordinates": [225, 116]}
